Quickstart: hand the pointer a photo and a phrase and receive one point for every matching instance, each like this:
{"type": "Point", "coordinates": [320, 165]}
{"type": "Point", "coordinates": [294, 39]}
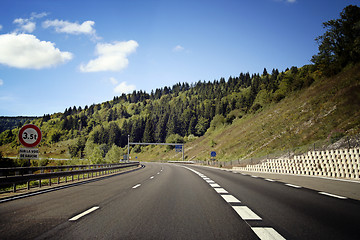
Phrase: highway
{"type": "Point", "coordinates": [168, 201]}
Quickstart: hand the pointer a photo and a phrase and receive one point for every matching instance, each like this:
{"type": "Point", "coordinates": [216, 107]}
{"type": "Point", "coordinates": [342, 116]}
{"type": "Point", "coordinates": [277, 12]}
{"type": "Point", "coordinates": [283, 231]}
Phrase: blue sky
{"type": "Point", "coordinates": [56, 54]}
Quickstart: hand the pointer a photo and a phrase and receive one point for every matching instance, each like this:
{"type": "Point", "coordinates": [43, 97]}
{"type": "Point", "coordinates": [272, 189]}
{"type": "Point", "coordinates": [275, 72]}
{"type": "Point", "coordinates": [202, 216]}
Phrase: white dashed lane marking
{"type": "Point", "coordinates": [214, 185]}
{"type": "Point", "coordinates": [220, 190]}
{"type": "Point", "coordinates": [267, 233]}
{"type": "Point", "coordinates": [292, 185]}
{"type": "Point", "coordinates": [245, 213]}
{"type": "Point", "coordinates": [230, 198]}
{"type": "Point", "coordinates": [83, 214]}
{"type": "Point", "coordinates": [136, 186]}
{"type": "Point", "coordinates": [269, 180]}
{"type": "Point", "coordinates": [332, 195]}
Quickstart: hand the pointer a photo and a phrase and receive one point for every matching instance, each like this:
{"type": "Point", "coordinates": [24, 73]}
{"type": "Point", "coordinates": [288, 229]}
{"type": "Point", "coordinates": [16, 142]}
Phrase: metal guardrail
{"type": "Point", "coordinates": [24, 175]}
{"type": "Point", "coordinates": [5, 172]}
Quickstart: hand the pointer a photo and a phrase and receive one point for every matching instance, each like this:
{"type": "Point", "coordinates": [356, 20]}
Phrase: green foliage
{"type": "Point", "coordinates": [7, 136]}
{"type": "Point", "coordinates": [174, 138]}
{"type": "Point", "coordinates": [94, 153]}
{"type": "Point", "coordinates": [217, 121]}
{"type": "Point", "coordinates": [340, 44]}
{"type": "Point", "coordinates": [77, 150]}
{"type": "Point", "coordinates": [114, 154]}
{"type": "Point", "coordinates": [9, 123]}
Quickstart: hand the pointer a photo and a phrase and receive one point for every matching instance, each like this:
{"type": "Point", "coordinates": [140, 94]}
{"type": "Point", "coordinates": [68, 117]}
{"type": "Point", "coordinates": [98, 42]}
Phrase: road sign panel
{"type": "Point", "coordinates": [213, 154]}
{"type": "Point", "coordinates": [178, 148]}
{"type": "Point", "coordinates": [29, 153]}
{"type": "Point", "coordinates": [30, 135]}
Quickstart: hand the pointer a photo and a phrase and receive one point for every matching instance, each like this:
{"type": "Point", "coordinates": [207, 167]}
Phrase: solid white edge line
{"type": "Point", "coordinates": [136, 186]}
{"type": "Point", "coordinates": [84, 213]}
{"type": "Point", "coordinates": [332, 195]}
{"type": "Point", "coordinates": [269, 180]}
{"type": "Point", "coordinates": [267, 233]}
{"type": "Point", "coordinates": [292, 185]}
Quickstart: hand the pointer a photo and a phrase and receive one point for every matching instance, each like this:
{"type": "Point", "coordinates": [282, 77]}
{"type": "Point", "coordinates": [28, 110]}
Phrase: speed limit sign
{"type": "Point", "coordinates": [30, 135]}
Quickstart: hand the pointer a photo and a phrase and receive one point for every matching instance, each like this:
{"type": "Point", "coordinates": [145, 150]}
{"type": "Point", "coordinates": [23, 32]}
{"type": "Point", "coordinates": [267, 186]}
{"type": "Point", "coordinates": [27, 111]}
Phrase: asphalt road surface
{"type": "Point", "coordinates": [167, 201]}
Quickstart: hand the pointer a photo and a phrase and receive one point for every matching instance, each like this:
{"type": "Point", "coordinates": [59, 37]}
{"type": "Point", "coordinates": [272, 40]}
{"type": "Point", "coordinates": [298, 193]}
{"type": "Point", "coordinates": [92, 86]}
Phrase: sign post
{"type": "Point", "coordinates": [29, 136]}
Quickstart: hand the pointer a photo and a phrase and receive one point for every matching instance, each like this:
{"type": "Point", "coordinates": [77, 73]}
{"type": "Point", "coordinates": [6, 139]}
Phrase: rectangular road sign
{"type": "Point", "coordinates": [178, 148]}
{"type": "Point", "coordinates": [29, 153]}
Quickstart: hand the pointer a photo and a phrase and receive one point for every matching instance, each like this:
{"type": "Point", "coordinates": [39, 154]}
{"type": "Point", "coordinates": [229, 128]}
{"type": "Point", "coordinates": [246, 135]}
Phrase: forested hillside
{"type": "Point", "coordinates": [185, 112]}
{"type": "Point", "coordinates": [8, 123]}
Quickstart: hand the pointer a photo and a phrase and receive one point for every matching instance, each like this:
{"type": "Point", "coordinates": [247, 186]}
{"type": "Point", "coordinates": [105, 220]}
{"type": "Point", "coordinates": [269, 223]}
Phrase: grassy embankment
{"type": "Point", "coordinates": [327, 110]}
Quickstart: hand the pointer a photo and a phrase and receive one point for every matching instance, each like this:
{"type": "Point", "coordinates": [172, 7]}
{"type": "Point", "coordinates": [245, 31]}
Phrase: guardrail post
{"type": "Point", "coordinates": [40, 183]}
{"type": "Point", "coordinates": [14, 187]}
{"type": "Point", "coordinates": [28, 185]}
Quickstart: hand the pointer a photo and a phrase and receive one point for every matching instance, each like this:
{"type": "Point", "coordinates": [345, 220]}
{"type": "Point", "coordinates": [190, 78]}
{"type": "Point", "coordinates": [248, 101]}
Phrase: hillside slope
{"type": "Point", "coordinates": [245, 117]}
{"type": "Point", "coordinates": [321, 114]}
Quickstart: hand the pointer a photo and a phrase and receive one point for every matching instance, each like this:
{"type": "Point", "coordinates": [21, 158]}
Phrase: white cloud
{"type": "Point", "coordinates": [38, 15]}
{"type": "Point", "coordinates": [1, 27]}
{"type": "Point", "coordinates": [25, 25]}
{"type": "Point", "coordinates": [123, 87]}
{"type": "Point", "coordinates": [113, 81]}
{"type": "Point", "coordinates": [27, 51]}
{"type": "Point", "coordinates": [71, 28]}
{"type": "Point", "coordinates": [178, 48]}
{"type": "Point", "coordinates": [1, 82]}
{"type": "Point", "coordinates": [111, 56]}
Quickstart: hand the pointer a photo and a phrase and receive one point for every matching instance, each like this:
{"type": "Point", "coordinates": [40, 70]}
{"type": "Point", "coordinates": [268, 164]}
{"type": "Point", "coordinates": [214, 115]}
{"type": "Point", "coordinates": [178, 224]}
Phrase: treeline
{"type": "Point", "coordinates": [8, 123]}
{"type": "Point", "coordinates": [179, 112]}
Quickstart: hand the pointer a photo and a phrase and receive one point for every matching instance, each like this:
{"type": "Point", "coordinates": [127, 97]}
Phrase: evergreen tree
{"type": "Point", "coordinates": [160, 131]}
{"type": "Point", "coordinates": [149, 131]}
{"type": "Point", "coordinates": [114, 134]}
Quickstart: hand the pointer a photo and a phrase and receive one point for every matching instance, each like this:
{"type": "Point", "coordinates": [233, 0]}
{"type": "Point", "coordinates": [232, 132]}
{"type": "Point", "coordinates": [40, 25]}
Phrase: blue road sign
{"type": "Point", "coordinates": [213, 154]}
{"type": "Point", "coordinates": [178, 148]}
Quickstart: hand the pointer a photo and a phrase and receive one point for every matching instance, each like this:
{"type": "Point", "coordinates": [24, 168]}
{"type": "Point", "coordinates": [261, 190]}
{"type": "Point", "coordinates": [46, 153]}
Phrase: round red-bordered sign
{"type": "Point", "coordinates": [30, 135]}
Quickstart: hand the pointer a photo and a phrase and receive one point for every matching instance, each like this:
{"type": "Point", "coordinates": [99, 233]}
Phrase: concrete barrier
{"type": "Point", "coordinates": [340, 163]}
